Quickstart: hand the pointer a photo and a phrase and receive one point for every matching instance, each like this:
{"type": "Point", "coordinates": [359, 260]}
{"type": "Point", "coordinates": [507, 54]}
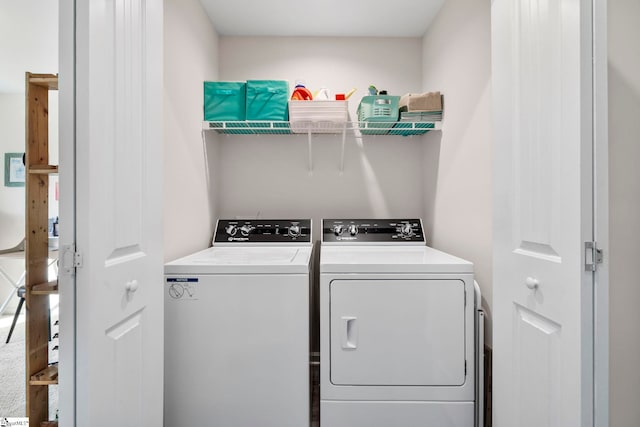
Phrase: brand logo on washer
{"type": "Point", "coordinates": [183, 288]}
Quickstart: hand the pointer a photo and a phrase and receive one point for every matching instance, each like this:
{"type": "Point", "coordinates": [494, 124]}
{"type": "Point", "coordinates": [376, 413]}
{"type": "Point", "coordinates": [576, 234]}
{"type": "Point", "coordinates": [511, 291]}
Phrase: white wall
{"type": "Point", "coordinates": [12, 203]}
{"type": "Point", "coordinates": [269, 176]}
{"type": "Point", "coordinates": [28, 41]}
{"type": "Point", "coordinates": [457, 62]}
{"type": "Point", "coordinates": [624, 194]}
{"type": "Point", "coordinates": [443, 177]}
{"type": "Point", "coordinates": [28, 30]}
{"type": "Point", "coordinates": [190, 57]}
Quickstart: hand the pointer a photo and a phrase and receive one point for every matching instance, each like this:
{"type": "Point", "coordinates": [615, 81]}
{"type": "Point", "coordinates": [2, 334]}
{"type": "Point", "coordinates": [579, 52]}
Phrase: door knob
{"type": "Point", "coordinates": [531, 283]}
{"type": "Point", "coordinates": [132, 286]}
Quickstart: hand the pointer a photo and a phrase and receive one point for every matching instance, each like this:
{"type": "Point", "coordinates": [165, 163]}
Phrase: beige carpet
{"type": "Point", "coordinates": [12, 370]}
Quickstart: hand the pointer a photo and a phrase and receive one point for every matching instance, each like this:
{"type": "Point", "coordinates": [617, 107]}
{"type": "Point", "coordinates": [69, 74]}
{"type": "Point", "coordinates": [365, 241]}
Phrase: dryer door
{"type": "Point", "coordinates": [397, 332]}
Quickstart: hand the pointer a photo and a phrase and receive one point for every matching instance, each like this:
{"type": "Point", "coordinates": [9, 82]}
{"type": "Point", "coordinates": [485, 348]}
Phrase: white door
{"type": "Point", "coordinates": [543, 213]}
{"type": "Point", "coordinates": [118, 146]}
{"type": "Point", "coordinates": [398, 332]}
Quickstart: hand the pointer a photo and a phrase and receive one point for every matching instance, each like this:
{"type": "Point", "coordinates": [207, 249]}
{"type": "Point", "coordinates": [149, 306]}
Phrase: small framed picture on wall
{"type": "Point", "coordinates": [14, 170]}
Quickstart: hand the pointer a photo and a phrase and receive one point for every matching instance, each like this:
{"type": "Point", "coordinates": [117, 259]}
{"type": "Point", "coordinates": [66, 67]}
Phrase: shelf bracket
{"type": "Point", "coordinates": [310, 160]}
{"type": "Point", "coordinates": [344, 139]}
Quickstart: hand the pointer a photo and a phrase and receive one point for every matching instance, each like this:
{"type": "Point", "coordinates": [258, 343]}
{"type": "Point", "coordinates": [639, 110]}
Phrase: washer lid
{"type": "Point", "coordinates": [243, 260]}
{"type": "Point", "coordinates": [390, 259]}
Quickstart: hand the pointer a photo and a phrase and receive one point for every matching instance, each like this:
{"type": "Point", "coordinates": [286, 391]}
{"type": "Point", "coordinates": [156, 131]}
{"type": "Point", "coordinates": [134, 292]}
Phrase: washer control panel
{"type": "Point", "coordinates": [239, 231]}
{"type": "Point", "coordinates": [372, 231]}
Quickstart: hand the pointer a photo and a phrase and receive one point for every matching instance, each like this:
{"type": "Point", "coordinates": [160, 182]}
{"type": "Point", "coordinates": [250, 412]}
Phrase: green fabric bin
{"type": "Point", "coordinates": [268, 100]}
{"type": "Point", "coordinates": [225, 101]}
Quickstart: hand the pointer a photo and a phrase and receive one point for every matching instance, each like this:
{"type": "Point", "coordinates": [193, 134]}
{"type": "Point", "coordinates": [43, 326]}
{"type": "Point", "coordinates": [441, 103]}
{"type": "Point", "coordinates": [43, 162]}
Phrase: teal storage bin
{"type": "Point", "coordinates": [267, 100]}
{"type": "Point", "coordinates": [378, 113]}
{"type": "Point", "coordinates": [225, 101]}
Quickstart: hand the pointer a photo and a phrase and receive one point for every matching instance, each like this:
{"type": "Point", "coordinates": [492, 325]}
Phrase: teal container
{"type": "Point", "coordinates": [379, 112]}
{"type": "Point", "coordinates": [267, 100]}
{"type": "Point", "coordinates": [225, 101]}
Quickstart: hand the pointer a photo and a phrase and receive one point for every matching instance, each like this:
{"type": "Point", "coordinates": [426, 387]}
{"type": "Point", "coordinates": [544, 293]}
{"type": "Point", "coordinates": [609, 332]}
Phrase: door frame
{"type": "Point", "coordinates": [67, 148]}
{"type": "Point", "coordinates": [67, 140]}
{"type": "Point", "coordinates": [601, 215]}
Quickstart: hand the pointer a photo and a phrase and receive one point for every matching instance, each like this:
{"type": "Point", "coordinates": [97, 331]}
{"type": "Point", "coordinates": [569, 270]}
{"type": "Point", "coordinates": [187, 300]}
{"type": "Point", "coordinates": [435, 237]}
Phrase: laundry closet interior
{"type": "Point", "coordinates": [442, 177]}
{"type": "Point", "coordinates": [266, 176]}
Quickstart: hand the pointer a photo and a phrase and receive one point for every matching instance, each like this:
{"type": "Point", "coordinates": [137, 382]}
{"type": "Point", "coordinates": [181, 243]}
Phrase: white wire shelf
{"type": "Point", "coordinates": [310, 128]}
{"type": "Point", "coordinates": [401, 128]}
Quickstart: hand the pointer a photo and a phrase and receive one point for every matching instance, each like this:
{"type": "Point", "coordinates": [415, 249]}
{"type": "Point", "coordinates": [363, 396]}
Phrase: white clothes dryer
{"type": "Point", "coordinates": [237, 328]}
{"type": "Point", "coordinates": [399, 329]}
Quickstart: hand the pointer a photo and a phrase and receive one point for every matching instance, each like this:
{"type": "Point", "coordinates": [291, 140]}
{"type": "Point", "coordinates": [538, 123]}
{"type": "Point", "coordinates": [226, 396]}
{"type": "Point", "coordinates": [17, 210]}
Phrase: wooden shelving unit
{"type": "Point", "coordinates": [48, 376]}
{"type": "Point", "coordinates": [48, 288]}
{"type": "Point", "coordinates": [39, 373]}
{"type": "Point", "coordinates": [43, 170]}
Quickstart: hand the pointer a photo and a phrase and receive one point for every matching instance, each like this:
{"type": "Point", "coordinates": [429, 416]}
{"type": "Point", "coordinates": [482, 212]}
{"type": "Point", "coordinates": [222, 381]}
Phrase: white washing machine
{"type": "Point", "coordinates": [400, 329]}
{"type": "Point", "coordinates": [237, 328]}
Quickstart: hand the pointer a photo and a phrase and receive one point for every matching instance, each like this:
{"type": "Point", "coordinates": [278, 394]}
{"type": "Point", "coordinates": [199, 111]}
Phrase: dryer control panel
{"type": "Point", "coordinates": [372, 231]}
{"type": "Point", "coordinates": [262, 231]}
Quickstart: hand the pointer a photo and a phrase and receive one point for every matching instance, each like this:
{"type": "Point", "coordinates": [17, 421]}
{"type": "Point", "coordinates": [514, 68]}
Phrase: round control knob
{"type": "Point", "coordinates": [338, 229]}
{"type": "Point", "coordinates": [231, 229]}
{"type": "Point", "coordinates": [406, 230]}
{"type": "Point", "coordinates": [294, 231]}
{"type": "Point", "coordinates": [245, 230]}
{"type": "Point", "coordinates": [353, 229]}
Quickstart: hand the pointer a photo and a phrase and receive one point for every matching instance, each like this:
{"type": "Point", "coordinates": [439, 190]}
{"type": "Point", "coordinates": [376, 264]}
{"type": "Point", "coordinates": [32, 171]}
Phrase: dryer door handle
{"type": "Point", "coordinates": [349, 332]}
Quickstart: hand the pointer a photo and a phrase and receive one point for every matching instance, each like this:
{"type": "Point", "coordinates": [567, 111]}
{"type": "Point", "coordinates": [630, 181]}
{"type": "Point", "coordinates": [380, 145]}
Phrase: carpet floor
{"type": "Point", "coordinates": [12, 370]}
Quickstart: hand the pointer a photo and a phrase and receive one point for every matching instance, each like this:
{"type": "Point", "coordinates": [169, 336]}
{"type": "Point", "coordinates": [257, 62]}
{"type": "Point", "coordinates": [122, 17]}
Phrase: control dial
{"type": "Point", "coordinates": [406, 230]}
{"type": "Point", "coordinates": [353, 229]}
{"type": "Point", "coordinates": [245, 230]}
{"type": "Point", "coordinates": [294, 231]}
{"type": "Point", "coordinates": [338, 229]}
{"type": "Point", "coordinates": [231, 229]}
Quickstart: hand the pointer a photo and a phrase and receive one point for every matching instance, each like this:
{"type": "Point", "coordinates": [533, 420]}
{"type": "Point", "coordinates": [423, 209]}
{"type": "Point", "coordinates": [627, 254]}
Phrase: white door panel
{"type": "Point", "coordinates": [397, 332]}
{"type": "Point", "coordinates": [537, 359]}
{"type": "Point", "coordinates": [542, 212]}
{"type": "Point", "coordinates": [125, 349]}
{"type": "Point", "coordinates": [119, 209]}
{"type": "Point", "coordinates": [537, 137]}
